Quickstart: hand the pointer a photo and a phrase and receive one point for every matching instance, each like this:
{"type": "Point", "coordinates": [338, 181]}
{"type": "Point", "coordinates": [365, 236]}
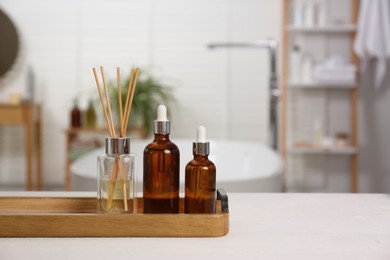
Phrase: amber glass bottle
{"type": "Point", "coordinates": [161, 169]}
{"type": "Point", "coordinates": [200, 178]}
{"type": "Point", "coordinates": [75, 115]}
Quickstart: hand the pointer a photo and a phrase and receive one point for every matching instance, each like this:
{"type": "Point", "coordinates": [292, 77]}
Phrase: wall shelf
{"type": "Point", "coordinates": [324, 150]}
{"type": "Point", "coordinates": [341, 28]}
{"type": "Point", "coordinates": [320, 85]}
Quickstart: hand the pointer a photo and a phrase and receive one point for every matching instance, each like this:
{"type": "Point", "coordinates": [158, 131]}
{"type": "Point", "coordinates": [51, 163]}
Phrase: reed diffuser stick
{"type": "Point", "coordinates": [121, 174]}
{"type": "Point", "coordinates": [128, 98]}
{"type": "Point", "coordinates": [123, 177]}
{"type": "Point", "coordinates": [118, 75]}
{"type": "Point", "coordinates": [102, 101]}
{"type": "Point", "coordinates": [108, 99]}
{"type": "Point", "coordinates": [111, 187]}
{"type": "Point", "coordinates": [131, 99]}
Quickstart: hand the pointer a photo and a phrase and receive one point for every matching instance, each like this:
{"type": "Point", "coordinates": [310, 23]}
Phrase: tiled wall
{"type": "Point", "coordinates": [62, 40]}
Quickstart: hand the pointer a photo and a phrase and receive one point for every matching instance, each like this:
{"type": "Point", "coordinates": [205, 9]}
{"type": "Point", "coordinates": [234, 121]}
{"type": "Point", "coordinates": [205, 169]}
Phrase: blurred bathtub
{"type": "Point", "coordinates": [241, 166]}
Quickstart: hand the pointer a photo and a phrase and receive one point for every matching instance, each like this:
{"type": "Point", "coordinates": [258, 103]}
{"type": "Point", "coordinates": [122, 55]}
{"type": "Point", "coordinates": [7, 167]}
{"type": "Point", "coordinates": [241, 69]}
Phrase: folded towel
{"type": "Point", "coordinates": [335, 80]}
{"type": "Point", "coordinates": [342, 70]}
{"type": "Point", "coordinates": [334, 70]}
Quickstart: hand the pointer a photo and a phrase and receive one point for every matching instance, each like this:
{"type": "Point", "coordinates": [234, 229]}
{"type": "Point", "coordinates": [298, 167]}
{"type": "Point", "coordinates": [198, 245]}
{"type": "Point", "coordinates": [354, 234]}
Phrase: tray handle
{"type": "Point", "coordinates": [223, 197]}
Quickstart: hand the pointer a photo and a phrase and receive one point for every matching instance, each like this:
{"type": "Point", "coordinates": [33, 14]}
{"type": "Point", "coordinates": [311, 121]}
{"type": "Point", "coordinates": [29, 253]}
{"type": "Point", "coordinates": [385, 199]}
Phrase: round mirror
{"type": "Point", "coordinates": [9, 43]}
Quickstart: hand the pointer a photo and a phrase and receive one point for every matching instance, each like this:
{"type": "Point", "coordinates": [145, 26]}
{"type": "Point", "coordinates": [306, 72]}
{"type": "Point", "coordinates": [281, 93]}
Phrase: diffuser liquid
{"type": "Point", "coordinates": [161, 176]}
{"type": "Point", "coordinates": [121, 195]}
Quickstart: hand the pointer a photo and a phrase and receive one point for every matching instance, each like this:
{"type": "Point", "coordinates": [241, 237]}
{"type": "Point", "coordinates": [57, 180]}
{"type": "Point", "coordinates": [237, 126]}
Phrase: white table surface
{"type": "Point", "coordinates": [262, 226]}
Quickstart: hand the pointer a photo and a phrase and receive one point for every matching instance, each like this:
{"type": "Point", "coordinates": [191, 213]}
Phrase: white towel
{"type": "Point", "coordinates": [373, 36]}
{"type": "Point", "coordinates": [335, 69]}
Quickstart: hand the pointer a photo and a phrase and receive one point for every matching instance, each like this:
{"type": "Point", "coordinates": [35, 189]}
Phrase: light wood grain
{"type": "Point", "coordinates": [28, 116]}
{"type": "Point", "coordinates": [11, 115]}
{"type": "Point", "coordinates": [28, 125]}
{"type": "Point", "coordinates": [354, 141]}
{"type": "Point", "coordinates": [283, 108]}
{"type": "Point", "coordinates": [38, 147]}
{"type": "Point", "coordinates": [354, 161]}
{"type": "Point", "coordinates": [75, 217]}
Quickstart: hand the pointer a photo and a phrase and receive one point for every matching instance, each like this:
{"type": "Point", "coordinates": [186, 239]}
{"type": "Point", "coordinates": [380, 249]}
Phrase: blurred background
{"type": "Point", "coordinates": [331, 138]}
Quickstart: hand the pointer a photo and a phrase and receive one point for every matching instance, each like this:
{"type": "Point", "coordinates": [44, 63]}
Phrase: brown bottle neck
{"type": "Point", "coordinates": [201, 157]}
{"type": "Point", "coordinates": [161, 137]}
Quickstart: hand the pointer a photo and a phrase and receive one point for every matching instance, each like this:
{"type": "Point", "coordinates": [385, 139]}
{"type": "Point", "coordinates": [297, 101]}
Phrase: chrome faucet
{"type": "Point", "coordinates": [272, 46]}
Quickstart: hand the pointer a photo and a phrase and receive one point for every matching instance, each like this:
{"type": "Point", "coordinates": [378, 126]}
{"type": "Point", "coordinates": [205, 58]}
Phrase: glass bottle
{"type": "Point", "coordinates": [90, 116]}
{"type": "Point", "coordinates": [200, 178]}
{"type": "Point", "coordinates": [161, 169]}
{"type": "Point", "coordinates": [75, 115]}
{"type": "Point", "coordinates": [116, 178]}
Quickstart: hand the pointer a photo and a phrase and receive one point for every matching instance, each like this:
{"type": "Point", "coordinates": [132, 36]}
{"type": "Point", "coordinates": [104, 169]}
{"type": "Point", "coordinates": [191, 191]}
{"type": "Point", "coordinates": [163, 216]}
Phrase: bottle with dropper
{"type": "Point", "coordinates": [200, 178]}
{"type": "Point", "coordinates": [161, 169]}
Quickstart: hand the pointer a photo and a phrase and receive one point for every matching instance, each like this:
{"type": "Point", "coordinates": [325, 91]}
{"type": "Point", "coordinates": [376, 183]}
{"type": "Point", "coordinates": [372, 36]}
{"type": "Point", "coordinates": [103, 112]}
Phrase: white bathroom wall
{"type": "Point", "coordinates": [226, 90]}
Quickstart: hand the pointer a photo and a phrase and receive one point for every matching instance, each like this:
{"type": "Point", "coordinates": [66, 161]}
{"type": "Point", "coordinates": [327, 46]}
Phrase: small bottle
{"type": "Point", "coordinates": [322, 14]}
{"type": "Point", "coordinates": [318, 133]}
{"type": "Point", "coordinates": [298, 14]}
{"type": "Point", "coordinates": [309, 15]}
{"type": "Point", "coordinates": [200, 179]}
{"type": "Point", "coordinates": [90, 116]}
{"type": "Point", "coordinates": [161, 169]}
{"type": "Point", "coordinates": [75, 115]}
{"type": "Point", "coordinates": [295, 61]}
{"type": "Point", "coordinates": [306, 71]}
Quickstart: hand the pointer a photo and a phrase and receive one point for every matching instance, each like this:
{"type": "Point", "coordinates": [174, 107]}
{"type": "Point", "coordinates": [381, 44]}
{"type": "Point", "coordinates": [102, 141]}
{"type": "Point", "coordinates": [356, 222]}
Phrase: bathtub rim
{"type": "Point", "coordinates": [278, 170]}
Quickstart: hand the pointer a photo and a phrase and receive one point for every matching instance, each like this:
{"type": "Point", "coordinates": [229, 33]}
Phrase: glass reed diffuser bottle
{"type": "Point", "coordinates": [161, 169]}
{"type": "Point", "coordinates": [200, 182]}
{"type": "Point", "coordinates": [116, 168]}
{"type": "Point", "coordinates": [117, 179]}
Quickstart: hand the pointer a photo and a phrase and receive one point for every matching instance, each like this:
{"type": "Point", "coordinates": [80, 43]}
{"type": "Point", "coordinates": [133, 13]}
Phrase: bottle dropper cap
{"type": "Point", "coordinates": [201, 146]}
{"type": "Point", "coordinates": [162, 124]}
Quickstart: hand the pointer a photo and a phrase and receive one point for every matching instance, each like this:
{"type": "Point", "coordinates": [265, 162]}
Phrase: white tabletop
{"type": "Point", "coordinates": [262, 226]}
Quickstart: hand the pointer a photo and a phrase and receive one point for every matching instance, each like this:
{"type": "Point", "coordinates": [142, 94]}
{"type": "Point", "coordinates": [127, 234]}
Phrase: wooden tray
{"type": "Point", "coordinates": [76, 217]}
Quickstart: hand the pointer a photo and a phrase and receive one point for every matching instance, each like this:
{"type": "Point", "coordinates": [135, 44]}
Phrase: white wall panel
{"type": "Point", "coordinates": [62, 40]}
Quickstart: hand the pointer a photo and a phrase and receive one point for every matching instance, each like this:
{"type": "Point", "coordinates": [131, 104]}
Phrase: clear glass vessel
{"type": "Point", "coordinates": [117, 178]}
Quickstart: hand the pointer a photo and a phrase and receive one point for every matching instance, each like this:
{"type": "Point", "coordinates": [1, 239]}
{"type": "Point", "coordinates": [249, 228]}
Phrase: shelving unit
{"type": "Point", "coordinates": [321, 86]}
{"type": "Point", "coordinates": [345, 31]}
{"type": "Point", "coordinates": [324, 150]}
{"type": "Point", "coordinates": [342, 28]}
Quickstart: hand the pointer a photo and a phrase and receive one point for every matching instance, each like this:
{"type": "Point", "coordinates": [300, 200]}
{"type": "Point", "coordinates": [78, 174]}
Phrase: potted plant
{"type": "Point", "coordinates": [148, 95]}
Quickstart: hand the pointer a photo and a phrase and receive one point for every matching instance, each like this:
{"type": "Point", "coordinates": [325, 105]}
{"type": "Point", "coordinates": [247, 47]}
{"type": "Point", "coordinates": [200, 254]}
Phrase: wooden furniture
{"type": "Point", "coordinates": [262, 226]}
{"type": "Point", "coordinates": [334, 30]}
{"type": "Point", "coordinates": [73, 133]}
{"type": "Point", "coordinates": [27, 115]}
{"type": "Point", "coordinates": [76, 217]}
